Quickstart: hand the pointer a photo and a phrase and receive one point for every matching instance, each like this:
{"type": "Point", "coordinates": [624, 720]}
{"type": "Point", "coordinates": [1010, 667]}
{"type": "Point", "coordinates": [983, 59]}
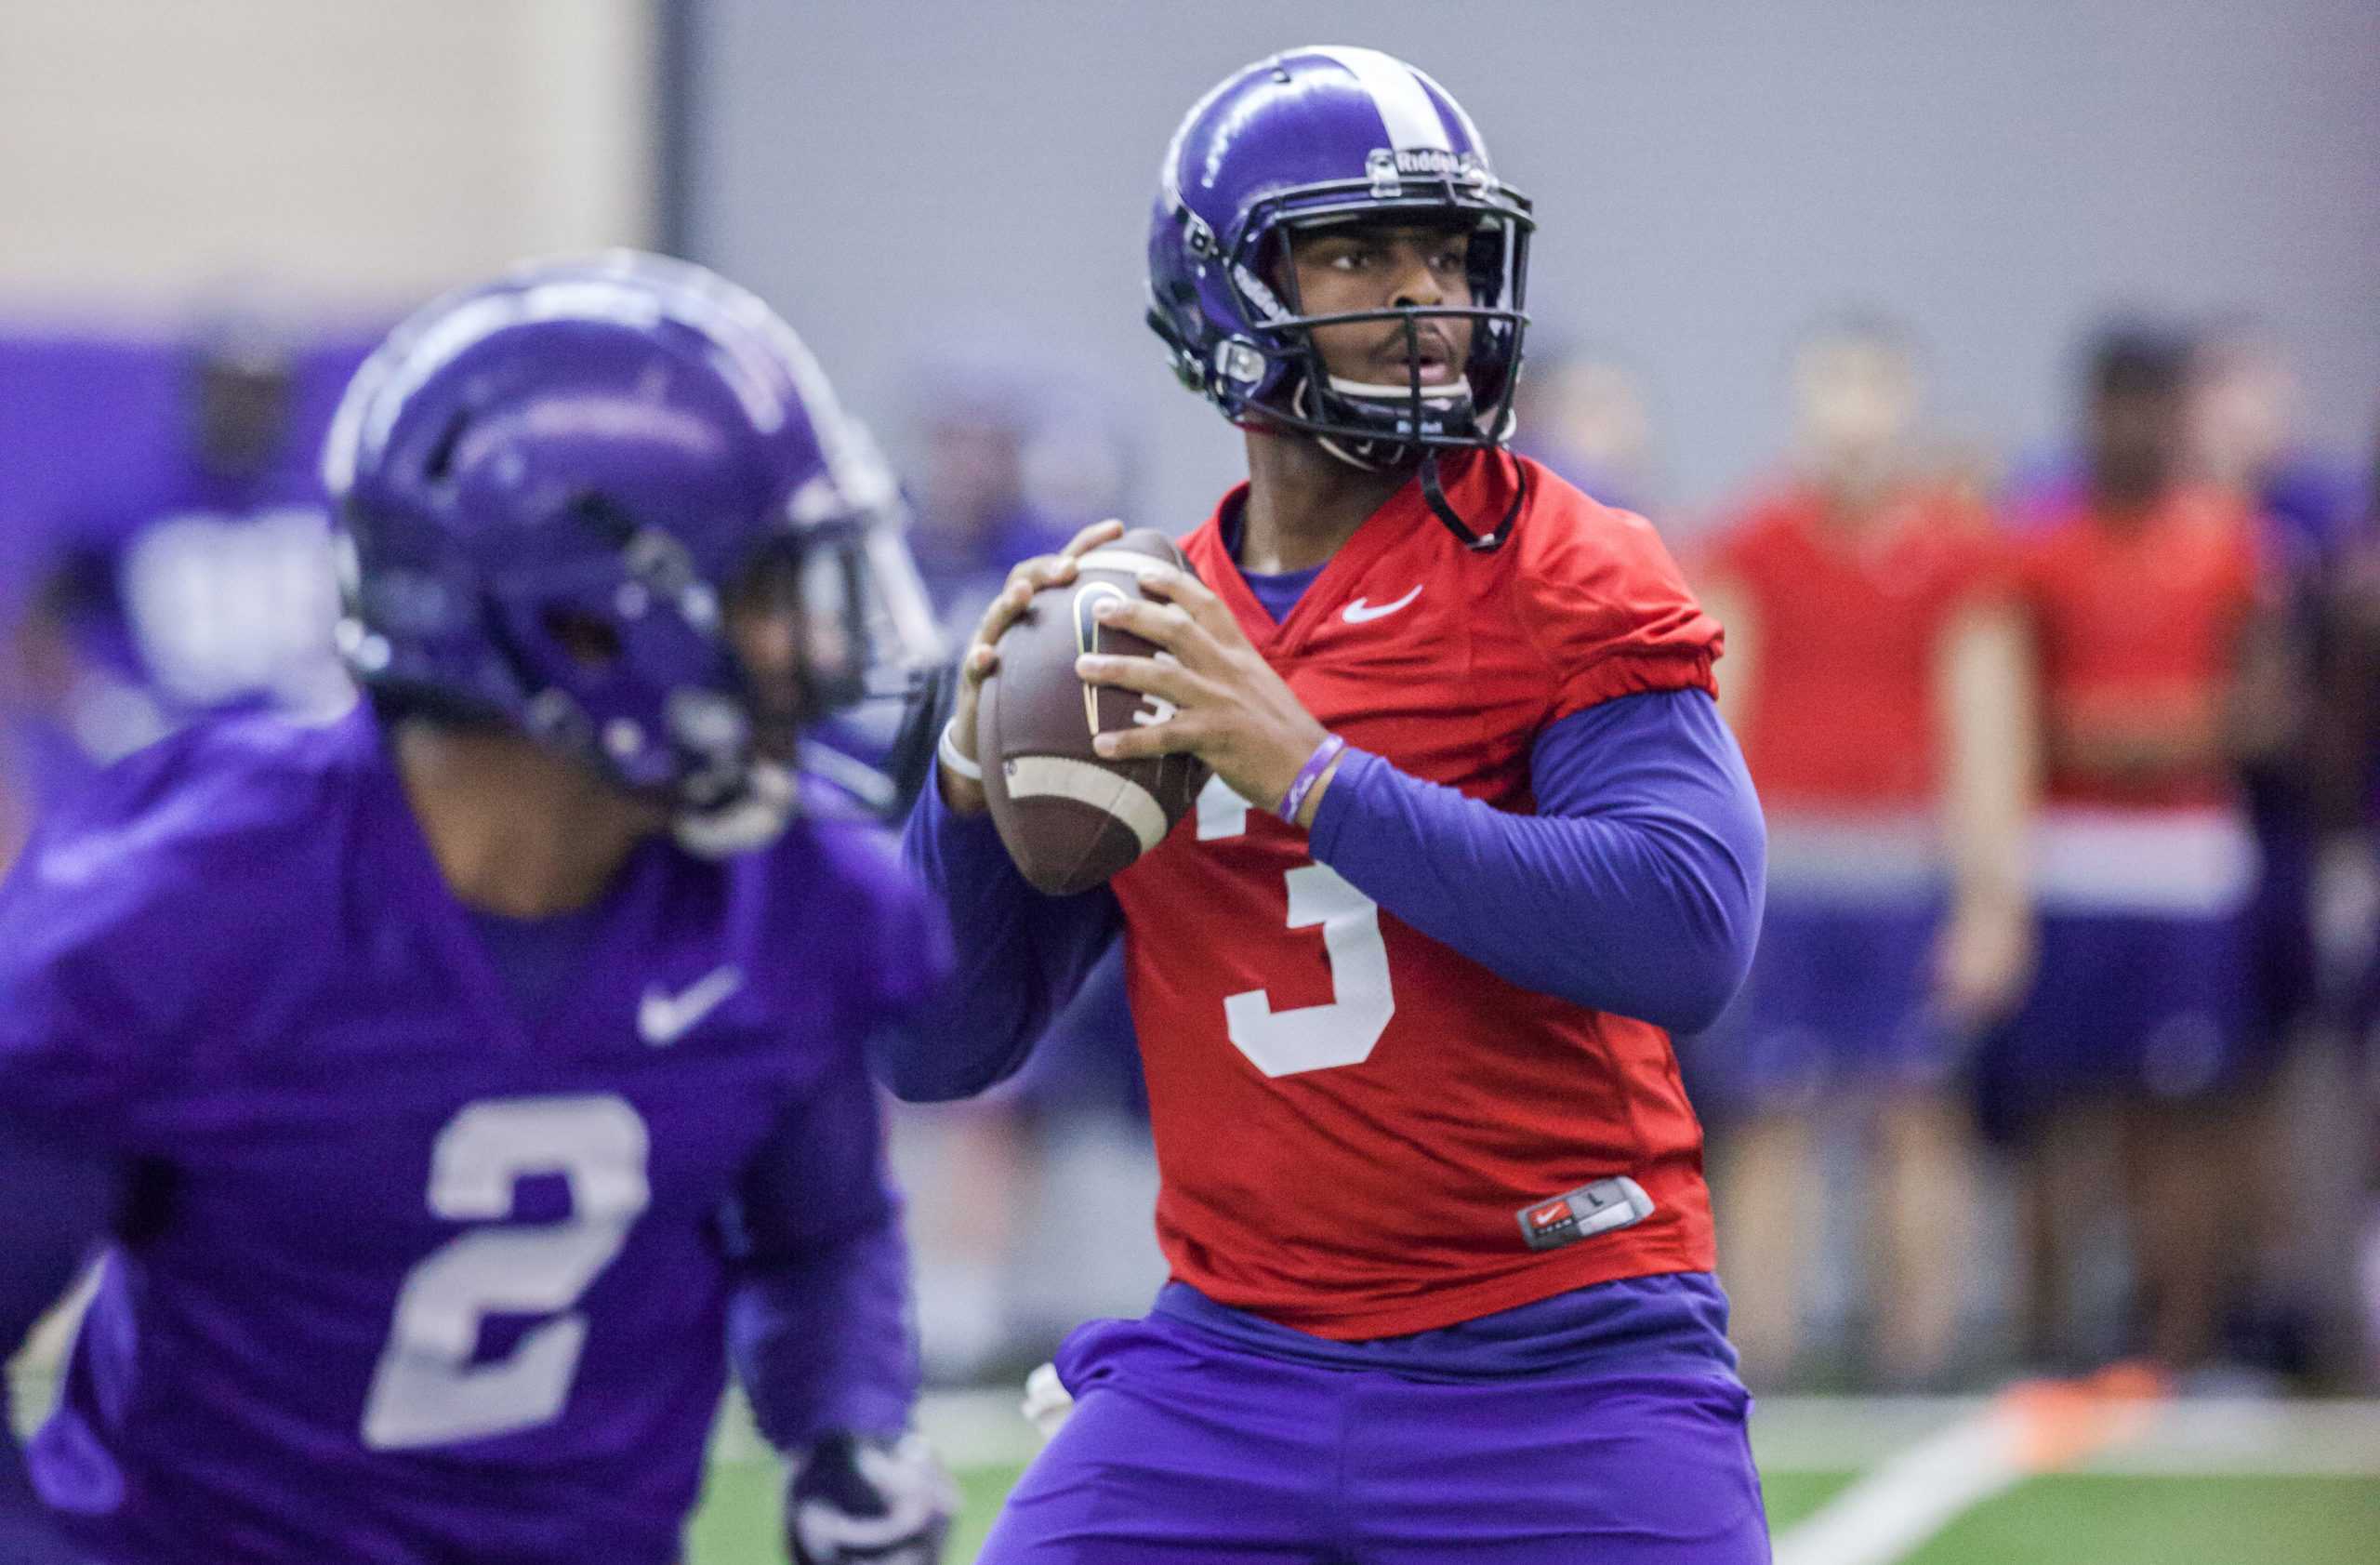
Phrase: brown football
{"type": "Point", "coordinates": [1070, 819]}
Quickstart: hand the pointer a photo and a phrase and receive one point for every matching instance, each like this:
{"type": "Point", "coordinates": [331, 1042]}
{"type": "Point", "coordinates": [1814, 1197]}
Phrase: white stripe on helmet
{"type": "Point", "coordinates": [1406, 109]}
{"type": "Point", "coordinates": [1462, 116]}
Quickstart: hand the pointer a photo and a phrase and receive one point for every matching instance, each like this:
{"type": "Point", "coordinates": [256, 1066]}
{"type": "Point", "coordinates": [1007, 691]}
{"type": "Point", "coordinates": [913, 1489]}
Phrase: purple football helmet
{"type": "Point", "coordinates": [1319, 135]}
{"type": "Point", "coordinates": [554, 491]}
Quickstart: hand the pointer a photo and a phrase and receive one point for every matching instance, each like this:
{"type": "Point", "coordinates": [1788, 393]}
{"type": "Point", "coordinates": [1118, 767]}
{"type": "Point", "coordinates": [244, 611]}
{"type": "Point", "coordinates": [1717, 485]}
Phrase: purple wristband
{"type": "Point", "coordinates": [1308, 774]}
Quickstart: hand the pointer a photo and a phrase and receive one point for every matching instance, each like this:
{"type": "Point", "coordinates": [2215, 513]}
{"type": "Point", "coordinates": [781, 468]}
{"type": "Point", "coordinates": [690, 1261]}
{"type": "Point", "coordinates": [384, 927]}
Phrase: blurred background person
{"type": "Point", "coordinates": [2243, 397]}
{"type": "Point", "coordinates": [1005, 457]}
{"type": "Point", "coordinates": [2347, 768]}
{"type": "Point", "coordinates": [1875, 676]}
{"type": "Point", "coordinates": [2244, 437]}
{"type": "Point", "coordinates": [191, 570]}
{"type": "Point", "coordinates": [2118, 1080]}
{"type": "Point", "coordinates": [1030, 1204]}
{"type": "Point", "coordinates": [2340, 1119]}
{"type": "Point", "coordinates": [1582, 410]}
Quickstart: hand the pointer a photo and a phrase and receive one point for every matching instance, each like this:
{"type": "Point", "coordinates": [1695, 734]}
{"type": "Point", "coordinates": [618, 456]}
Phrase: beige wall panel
{"type": "Point", "coordinates": [340, 150]}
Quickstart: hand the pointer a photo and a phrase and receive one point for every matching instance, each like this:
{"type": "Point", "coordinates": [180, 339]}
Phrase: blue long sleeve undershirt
{"type": "Point", "coordinates": [1635, 888]}
{"type": "Point", "coordinates": [1020, 954]}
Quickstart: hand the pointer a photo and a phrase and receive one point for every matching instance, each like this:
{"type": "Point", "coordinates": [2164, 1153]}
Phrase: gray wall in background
{"type": "Point", "coordinates": [1709, 175]}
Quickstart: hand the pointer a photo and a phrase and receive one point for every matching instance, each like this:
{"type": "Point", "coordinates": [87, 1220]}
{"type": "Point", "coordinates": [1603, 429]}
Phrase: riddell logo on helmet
{"type": "Point", "coordinates": [1435, 163]}
{"type": "Point", "coordinates": [1388, 168]}
{"type": "Point", "coordinates": [1429, 160]}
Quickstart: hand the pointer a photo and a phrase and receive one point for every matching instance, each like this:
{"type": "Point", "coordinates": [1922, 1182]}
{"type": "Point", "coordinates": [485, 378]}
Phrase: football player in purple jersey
{"type": "Point", "coordinates": [455, 1088]}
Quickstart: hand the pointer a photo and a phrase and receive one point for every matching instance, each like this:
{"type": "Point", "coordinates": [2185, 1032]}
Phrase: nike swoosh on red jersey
{"type": "Point", "coordinates": [1359, 611]}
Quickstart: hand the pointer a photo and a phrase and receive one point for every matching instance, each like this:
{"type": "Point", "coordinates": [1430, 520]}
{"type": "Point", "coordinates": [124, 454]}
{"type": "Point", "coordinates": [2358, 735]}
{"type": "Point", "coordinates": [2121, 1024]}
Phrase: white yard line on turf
{"type": "Point", "coordinates": [1887, 1514]}
{"type": "Point", "coordinates": [2029, 1430]}
{"type": "Point", "coordinates": [2191, 1437]}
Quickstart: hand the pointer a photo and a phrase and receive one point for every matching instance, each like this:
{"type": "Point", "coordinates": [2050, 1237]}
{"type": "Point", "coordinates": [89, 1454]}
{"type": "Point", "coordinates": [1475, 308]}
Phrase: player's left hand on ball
{"type": "Point", "coordinates": [853, 1499]}
{"type": "Point", "coordinates": [1227, 705]}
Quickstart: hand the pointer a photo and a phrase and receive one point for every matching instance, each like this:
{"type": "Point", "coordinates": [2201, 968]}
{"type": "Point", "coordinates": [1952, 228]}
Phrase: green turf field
{"type": "Point", "coordinates": [2086, 1518]}
{"type": "Point", "coordinates": [2249, 1483]}
{"type": "Point", "coordinates": [2216, 1488]}
{"type": "Point", "coordinates": [738, 1522]}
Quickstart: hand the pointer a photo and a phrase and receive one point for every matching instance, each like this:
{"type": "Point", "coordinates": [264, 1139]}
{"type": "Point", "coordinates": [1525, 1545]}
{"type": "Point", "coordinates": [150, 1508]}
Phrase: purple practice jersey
{"type": "Point", "coordinates": [413, 1273]}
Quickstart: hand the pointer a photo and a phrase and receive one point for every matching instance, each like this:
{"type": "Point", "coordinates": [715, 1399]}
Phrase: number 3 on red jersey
{"type": "Point", "coordinates": [1310, 1036]}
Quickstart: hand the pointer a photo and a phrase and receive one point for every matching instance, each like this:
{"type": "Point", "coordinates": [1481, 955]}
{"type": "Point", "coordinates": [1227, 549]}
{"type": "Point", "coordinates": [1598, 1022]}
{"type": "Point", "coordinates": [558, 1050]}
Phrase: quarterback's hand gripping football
{"type": "Point", "coordinates": [1227, 705]}
{"type": "Point", "coordinates": [962, 792]}
{"type": "Point", "coordinates": [853, 1500]}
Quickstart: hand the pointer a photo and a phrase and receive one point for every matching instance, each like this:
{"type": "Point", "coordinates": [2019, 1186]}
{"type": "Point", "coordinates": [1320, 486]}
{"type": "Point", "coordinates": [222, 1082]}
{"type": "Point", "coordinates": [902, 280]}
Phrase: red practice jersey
{"type": "Point", "coordinates": [2137, 623]}
{"type": "Point", "coordinates": [1841, 716]}
{"type": "Point", "coordinates": [1350, 1117]}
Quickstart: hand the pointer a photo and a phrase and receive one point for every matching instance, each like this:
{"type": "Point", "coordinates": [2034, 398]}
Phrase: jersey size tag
{"type": "Point", "coordinates": [1605, 1206]}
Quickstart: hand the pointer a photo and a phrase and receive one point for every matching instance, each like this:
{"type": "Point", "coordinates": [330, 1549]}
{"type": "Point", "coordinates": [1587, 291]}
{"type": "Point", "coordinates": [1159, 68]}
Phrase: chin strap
{"type": "Point", "coordinates": [1435, 493]}
{"type": "Point", "coordinates": [1433, 489]}
{"type": "Point", "coordinates": [1301, 404]}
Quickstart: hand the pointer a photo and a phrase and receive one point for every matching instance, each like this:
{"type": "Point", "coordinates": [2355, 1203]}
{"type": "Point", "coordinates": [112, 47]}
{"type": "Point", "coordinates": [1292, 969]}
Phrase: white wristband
{"type": "Point", "coordinates": [948, 750]}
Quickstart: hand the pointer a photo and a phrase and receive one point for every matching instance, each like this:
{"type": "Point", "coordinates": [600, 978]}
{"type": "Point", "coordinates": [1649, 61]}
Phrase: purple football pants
{"type": "Point", "coordinates": [1182, 1447]}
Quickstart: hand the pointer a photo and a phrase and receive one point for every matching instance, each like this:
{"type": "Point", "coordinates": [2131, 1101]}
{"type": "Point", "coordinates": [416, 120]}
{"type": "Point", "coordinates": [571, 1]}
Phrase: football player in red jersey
{"type": "Point", "coordinates": [1431, 1194]}
{"type": "Point", "coordinates": [1877, 681]}
{"type": "Point", "coordinates": [2143, 596]}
